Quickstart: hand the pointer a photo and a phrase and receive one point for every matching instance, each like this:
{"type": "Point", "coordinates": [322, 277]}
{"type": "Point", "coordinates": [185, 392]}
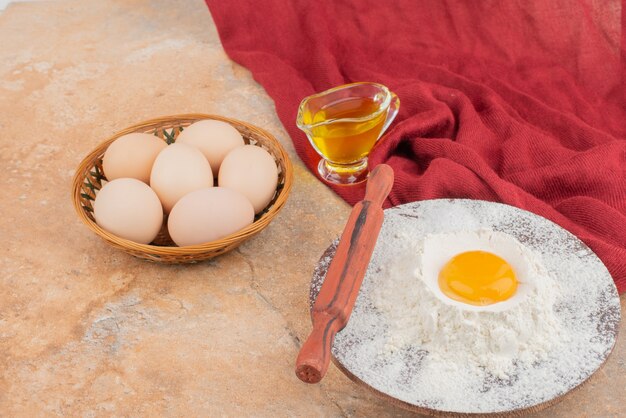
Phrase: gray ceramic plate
{"type": "Point", "coordinates": [399, 376]}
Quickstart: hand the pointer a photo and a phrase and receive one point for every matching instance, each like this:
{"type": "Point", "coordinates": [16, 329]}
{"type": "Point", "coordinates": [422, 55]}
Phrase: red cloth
{"type": "Point", "coordinates": [516, 102]}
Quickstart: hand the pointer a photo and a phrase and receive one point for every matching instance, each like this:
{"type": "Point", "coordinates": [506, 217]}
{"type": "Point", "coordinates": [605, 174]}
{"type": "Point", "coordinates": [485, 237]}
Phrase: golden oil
{"type": "Point", "coordinates": [343, 124]}
{"type": "Point", "coordinates": [345, 141]}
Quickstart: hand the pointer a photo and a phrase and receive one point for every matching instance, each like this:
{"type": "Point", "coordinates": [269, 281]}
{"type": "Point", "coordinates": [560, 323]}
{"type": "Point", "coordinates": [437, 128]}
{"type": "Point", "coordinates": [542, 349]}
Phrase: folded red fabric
{"type": "Point", "coordinates": [516, 102]}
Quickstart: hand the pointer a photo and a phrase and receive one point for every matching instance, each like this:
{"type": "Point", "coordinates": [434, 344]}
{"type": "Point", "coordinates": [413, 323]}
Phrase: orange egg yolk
{"type": "Point", "coordinates": [477, 278]}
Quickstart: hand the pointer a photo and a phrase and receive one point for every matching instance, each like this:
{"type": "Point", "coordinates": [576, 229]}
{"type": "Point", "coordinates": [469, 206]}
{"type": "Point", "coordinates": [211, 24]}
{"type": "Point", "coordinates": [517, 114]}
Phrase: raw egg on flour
{"type": "Point", "coordinates": [478, 278]}
{"type": "Point", "coordinates": [480, 270]}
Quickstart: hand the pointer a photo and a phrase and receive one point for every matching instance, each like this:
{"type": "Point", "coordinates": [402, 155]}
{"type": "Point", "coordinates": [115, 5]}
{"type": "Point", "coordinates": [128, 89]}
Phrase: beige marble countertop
{"type": "Point", "coordinates": [86, 330]}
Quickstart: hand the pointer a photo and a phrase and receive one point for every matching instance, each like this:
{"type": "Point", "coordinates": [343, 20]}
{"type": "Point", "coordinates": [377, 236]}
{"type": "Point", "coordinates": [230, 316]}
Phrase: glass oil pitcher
{"type": "Point", "coordinates": [343, 124]}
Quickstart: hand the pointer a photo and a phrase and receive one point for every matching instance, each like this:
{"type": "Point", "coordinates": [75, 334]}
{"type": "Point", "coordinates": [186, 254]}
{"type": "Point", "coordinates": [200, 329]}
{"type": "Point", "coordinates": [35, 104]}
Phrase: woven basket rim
{"type": "Point", "coordinates": [157, 250]}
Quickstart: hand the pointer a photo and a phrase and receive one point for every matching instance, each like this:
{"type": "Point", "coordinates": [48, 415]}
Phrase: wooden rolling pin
{"type": "Point", "coordinates": [335, 300]}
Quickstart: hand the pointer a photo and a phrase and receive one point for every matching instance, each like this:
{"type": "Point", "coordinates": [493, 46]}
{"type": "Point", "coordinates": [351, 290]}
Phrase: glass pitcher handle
{"type": "Point", "coordinates": [392, 112]}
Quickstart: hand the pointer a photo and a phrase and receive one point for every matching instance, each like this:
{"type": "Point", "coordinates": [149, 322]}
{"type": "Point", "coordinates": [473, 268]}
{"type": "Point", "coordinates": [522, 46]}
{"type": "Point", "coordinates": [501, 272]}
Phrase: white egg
{"type": "Point", "coordinates": [438, 249]}
{"type": "Point", "coordinates": [179, 169]}
{"type": "Point", "coordinates": [252, 171]}
{"type": "Point", "coordinates": [132, 155]}
{"type": "Point", "coordinates": [214, 138]}
{"type": "Point", "coordinates": [129, 209]}
{"type": "Point", "coordinates": [207, 215]}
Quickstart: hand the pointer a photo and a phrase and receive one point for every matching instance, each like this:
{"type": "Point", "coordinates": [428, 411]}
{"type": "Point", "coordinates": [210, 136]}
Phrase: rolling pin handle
{"type": "Point", "coordinates": [379, 184]}
{"type": "Point", "coordinates": [314, 357]}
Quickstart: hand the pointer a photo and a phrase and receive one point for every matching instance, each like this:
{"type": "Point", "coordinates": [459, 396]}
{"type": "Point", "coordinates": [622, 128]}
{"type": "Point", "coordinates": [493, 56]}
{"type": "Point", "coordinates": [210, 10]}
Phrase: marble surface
{"type": "Point", "coordinates": [86, 330]}
{"type": "Point", "coordinates": [5, 3]}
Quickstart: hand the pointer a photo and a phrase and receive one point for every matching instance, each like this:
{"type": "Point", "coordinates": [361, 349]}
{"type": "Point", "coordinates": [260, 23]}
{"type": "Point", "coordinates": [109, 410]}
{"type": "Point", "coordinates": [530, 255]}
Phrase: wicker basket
{"type": "Point", "coordinates": [89, 177]}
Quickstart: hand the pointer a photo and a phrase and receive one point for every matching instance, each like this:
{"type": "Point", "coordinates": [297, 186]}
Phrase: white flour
{"type": "Point", "coordinates": [402, 341]}
{"type": "Point", "coordinates": [418, 315]}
